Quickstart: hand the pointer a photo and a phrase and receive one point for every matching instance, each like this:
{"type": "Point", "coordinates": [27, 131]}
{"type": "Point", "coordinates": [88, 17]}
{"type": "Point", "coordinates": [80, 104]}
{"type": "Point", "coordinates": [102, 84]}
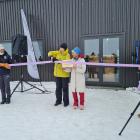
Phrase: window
{"type": "Point", "coordinates": [37, 45]}
{"type": "Point", "coordinates": [8, 47]}
{"type": "Point", "coordinates": [38, 49]}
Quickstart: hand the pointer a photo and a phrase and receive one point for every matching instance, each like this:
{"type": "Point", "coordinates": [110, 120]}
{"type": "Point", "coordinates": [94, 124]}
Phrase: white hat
{"type": "Point", "coordinates": [1, 47]}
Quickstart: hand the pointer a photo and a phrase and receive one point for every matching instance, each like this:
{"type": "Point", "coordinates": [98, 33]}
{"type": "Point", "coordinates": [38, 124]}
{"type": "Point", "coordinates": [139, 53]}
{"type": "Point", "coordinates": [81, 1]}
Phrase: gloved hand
{"type": "Point", "coordinates": [54, 59]}
{"type": "Point", "coordinates": [5, 65]}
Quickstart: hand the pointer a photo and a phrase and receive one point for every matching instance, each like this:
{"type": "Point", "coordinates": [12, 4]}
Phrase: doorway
{"type": "Point", "coordinates": [104, 49]}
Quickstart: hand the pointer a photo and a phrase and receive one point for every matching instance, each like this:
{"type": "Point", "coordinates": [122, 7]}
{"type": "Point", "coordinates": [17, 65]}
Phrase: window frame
{"type": "Point", "coordinates": [35, 39]}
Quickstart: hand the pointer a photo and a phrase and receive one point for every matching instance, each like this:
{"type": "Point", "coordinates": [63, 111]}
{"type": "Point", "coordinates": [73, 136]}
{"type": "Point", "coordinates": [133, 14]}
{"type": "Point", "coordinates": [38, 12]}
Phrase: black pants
{"type": "Point", "coordinates": [62, 84]}
{"type": "Point", "coordinates": [5, 87]}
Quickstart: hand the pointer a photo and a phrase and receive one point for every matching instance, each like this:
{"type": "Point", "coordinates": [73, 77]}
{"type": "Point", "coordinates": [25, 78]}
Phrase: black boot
{"type": "Point", "coordinates": [8, 100]}
{"type": "Point", "coordinates": [66, 104]}
{"type": "Point", "coordinates": [3, 101]}
{"type": "Point", "coordinates": [57, 103]}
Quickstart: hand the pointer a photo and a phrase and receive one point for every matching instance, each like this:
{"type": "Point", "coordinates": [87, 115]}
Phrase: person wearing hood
{"type": "Point", "coordinates": [77, 81]}
{"type": "Point", "coordinates": [62, 77]}
{"type": "Point", "coordinates": [5, 60]}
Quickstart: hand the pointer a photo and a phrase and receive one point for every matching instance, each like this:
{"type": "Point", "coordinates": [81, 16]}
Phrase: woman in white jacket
{"type": "Point", "coordinates": [78, 78]}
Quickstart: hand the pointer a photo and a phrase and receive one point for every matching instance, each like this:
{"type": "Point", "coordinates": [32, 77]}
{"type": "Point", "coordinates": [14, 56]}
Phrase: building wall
{"type": "Point", "coordinates": [57, 21]}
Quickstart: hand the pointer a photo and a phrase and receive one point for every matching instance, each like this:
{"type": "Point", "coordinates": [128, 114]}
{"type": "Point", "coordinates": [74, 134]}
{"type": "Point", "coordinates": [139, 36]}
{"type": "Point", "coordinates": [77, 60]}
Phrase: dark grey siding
{"type": "Point", "coordinates": [57, 21]}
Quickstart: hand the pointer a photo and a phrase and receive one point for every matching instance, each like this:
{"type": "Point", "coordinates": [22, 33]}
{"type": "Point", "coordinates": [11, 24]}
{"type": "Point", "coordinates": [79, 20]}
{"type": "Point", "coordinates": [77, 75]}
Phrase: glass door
{"type": "Point", "coordinates": [104, 49]}
{"type": "Point", "coordinates": [111, 55]}
{"type": "Point", "coordinates": [91, 47]}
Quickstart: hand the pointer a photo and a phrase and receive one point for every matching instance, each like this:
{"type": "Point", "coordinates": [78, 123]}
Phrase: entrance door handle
{"type": "Point", "coordinates": [101, 60]}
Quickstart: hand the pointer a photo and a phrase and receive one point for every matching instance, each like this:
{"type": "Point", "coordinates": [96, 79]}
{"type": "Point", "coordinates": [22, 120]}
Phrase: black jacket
{"type": "Point", "coordinates": [5, 58]}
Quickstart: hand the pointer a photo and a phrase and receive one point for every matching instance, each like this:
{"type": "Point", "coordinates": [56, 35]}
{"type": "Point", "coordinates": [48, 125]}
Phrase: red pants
{"type": "Point", "coordinates": [75, 97]}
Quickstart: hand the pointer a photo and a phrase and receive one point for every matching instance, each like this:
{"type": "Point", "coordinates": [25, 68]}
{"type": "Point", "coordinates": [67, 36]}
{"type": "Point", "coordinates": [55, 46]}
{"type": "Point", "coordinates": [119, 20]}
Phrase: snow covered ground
{"type": "Point", "coordinates": [33, 116]}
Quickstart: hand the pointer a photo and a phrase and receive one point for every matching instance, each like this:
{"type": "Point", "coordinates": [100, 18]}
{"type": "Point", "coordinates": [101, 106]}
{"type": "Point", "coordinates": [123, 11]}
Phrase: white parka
{"type": "Point", "coordinates": [77, 82]}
